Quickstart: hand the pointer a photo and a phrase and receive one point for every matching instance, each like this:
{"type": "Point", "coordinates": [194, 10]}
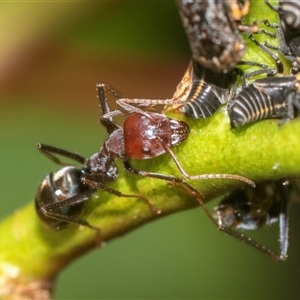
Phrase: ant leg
{"type": "Point", "coordinates": [125, 102]}
{"type": "Point", "coordinates": [50, 152]}
{"type": "Point", "coordinates": [49, 211]}
{"type": "Point", "coordinates": [102, 98]}
{"type": "Point", "coordinates": [112, 114]}
{"type": "Point", "coordinates": [108, 124]}
{"type": "Point", "coordinates": [199, 198]}
{"type": "Point", "coordinates": [101, 88]}
{"type": "Point", "coordinates": [93, 181]}
{"type": "Point", "coordinates": [106, 118]}
{"type": "Point", "coordinates": [130, 169]}
{"type": "Point", "coordinates": [206, 176]}
{"type": "Point", "coordinates": [173, 178]}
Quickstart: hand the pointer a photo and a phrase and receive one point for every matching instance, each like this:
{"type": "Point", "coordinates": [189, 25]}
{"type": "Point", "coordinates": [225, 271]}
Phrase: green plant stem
{"type": "Point", "coordinates": [31, 256]}
{"type": "Point", "coordinates": [29, 252]}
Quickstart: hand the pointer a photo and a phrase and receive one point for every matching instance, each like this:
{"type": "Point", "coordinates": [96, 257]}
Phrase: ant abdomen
{"type": "Point", "coordinates": [54, 195]}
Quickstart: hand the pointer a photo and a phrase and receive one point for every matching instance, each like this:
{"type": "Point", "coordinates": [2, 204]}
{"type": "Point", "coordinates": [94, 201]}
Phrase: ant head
{"type": "Point", "coordinates": [148, 136]}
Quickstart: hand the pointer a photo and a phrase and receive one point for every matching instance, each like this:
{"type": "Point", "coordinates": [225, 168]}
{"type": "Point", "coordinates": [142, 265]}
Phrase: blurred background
{"type": "Point", "coordinates": [51, 57]}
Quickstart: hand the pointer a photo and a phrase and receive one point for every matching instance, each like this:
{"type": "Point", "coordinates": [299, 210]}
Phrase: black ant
{"type": "Point", "coordinates": [144, 135]}
{"type": "Point", "coordinates": [62, 194]}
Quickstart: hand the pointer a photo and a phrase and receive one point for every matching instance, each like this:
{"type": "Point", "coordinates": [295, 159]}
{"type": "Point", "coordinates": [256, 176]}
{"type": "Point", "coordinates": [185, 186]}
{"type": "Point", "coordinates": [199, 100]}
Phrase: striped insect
{"type": "Point", "coordinates": [250, 209]}
{"type": "Point", "coordinates": [212, 29]}
{"type": "Point", "coordinates": [289, 31]}
{"type": "Point", "coordinates": [202, 91]}
{"type": "Point", "coordinates": [270, 97]}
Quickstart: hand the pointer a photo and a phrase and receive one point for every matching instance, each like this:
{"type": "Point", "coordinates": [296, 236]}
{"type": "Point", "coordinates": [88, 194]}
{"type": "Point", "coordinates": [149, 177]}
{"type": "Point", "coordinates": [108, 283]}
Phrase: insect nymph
{"type": "Point", "coordinates": [202, 91]}
{"type": "Point", "coordinates": [270, 97]}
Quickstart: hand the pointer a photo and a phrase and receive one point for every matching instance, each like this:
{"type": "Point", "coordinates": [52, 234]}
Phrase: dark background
{"type": "Point", "coordinates": [51, 57]}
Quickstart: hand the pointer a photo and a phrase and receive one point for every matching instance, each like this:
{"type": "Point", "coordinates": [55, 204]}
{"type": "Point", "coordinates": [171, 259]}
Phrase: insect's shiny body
{"type": "Point", "coordinates": [271, 97]}
{"type": "Point", "coordinates": [57, 188]}
{"type": "Point", "coordinates": [289, 30]}
{"type": "Point", "coordinates": [212, 31]}
{"type": "Point", "coordinates": [250, 209]}
{"type": "Point", "coordinates": [202, 91]}
{"type": "Point", "coordinates": [289, 13]}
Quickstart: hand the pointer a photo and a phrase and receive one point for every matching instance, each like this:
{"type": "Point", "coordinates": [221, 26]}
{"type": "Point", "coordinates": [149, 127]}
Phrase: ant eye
{"type": "Point", "coordinates": [146, 151]}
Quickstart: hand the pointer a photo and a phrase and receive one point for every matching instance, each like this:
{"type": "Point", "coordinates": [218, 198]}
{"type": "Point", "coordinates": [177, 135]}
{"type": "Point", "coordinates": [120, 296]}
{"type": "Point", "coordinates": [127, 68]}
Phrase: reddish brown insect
{"type": "Point", "coordinates": [147, 135]}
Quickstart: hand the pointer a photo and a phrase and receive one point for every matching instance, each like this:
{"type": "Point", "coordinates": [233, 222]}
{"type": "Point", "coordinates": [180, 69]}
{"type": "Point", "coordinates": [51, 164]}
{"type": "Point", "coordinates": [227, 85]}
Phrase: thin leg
{"type": "Point", "coordinates": [207, 176]}
{"type": "Point", "coordinates": [52, 211]}
{"type": "Point", "coordinates": [92, 181]}
{"type": "Point", "coordinates": [199, 198]}
{"type": "Point", "coordinates": [277, 60]}
{"type": "Point", "coordinates": [106, 118]}
{"type": "Point", "coordinates": [50, 152]}
{"type": "Point", "coordinates": [144, 102]}
{"type": "Point", "coordinates": [101, 88]}
{"type": "Point", "coordinates": [135, 171]}
{"type": "Point", "coordinates": [283, 235]}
